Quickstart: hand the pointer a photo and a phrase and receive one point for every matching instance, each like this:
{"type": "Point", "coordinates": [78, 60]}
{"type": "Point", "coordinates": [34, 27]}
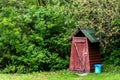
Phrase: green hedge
{"type": "Point", "coordinates": [34, 38]}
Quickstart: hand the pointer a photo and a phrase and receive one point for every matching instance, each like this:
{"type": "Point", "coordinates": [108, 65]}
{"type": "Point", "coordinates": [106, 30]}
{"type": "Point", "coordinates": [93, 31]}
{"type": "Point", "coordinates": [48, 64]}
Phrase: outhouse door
{"type": "Point", "coordinates": [79, 54]}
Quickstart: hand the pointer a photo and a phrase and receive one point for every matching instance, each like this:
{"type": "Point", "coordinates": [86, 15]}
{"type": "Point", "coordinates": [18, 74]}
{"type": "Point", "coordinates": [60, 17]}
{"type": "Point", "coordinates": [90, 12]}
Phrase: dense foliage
{"type": "Point", "coordinates": [104, 16]}
{"type": "Point", "coordinates": [34, 33]}
{"type": "Point", "coordinates": [34, 38]}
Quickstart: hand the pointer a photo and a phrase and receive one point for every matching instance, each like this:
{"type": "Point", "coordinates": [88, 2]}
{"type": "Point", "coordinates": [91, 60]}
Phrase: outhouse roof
{"type": "Point", "coordinates": [89, 33]}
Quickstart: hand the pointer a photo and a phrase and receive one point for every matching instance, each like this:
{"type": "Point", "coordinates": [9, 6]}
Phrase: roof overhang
{"type": "Point", "coordinates": [89, 33]}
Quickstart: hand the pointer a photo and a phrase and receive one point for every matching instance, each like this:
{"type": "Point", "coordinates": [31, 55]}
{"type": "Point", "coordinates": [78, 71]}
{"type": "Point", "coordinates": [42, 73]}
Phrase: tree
{"type": "Point", "coordinates": [34, 38]}
{"type": "Point", "coordinates": [103, 15]}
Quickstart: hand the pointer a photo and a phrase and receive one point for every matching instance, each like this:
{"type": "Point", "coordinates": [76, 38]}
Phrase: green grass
{"type": "Point", "coordinates": [102, 76]}
{"type": "Point", "coordinates": [60, 75]}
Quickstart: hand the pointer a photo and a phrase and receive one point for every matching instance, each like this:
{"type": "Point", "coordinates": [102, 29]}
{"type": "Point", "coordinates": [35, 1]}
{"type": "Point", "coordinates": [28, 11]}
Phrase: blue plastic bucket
{"type": "Point", "coordinates": [98, 68]}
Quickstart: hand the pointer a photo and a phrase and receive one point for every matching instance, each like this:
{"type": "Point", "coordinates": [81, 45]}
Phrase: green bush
{"type": "Point", "coordinates": [34, 38]}
{"type": "Point", "coordinates": [110, 68]}
{"type": "Point", "coordinates": [111, 53]}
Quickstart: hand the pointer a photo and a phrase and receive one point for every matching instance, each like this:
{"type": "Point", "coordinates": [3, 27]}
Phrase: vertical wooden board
{"type": "Point", "coordinates": [71, 66]}
{"type": "Point", "coordinates": [87, 56]}
{"type": "Point", "coordinates": [77, 65]}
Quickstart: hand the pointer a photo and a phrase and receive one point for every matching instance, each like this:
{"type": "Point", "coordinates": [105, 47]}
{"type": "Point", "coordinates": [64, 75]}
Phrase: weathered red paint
{"type": "Point", "coordinates": [83, 55]}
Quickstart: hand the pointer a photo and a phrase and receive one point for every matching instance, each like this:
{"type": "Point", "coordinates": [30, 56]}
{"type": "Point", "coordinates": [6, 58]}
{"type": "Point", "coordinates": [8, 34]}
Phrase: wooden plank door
{"type": "Point", "coordinates": [79, 54]}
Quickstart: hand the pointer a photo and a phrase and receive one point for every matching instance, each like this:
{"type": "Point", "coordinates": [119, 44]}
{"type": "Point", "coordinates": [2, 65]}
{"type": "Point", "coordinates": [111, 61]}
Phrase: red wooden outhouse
{"type": "Point", "coordinates": [84, 51]}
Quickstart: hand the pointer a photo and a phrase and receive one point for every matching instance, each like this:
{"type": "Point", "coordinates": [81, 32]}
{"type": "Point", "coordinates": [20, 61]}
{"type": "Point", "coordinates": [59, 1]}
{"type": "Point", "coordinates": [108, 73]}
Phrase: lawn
{"type": "Point", "coordinates": [60, 75]}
